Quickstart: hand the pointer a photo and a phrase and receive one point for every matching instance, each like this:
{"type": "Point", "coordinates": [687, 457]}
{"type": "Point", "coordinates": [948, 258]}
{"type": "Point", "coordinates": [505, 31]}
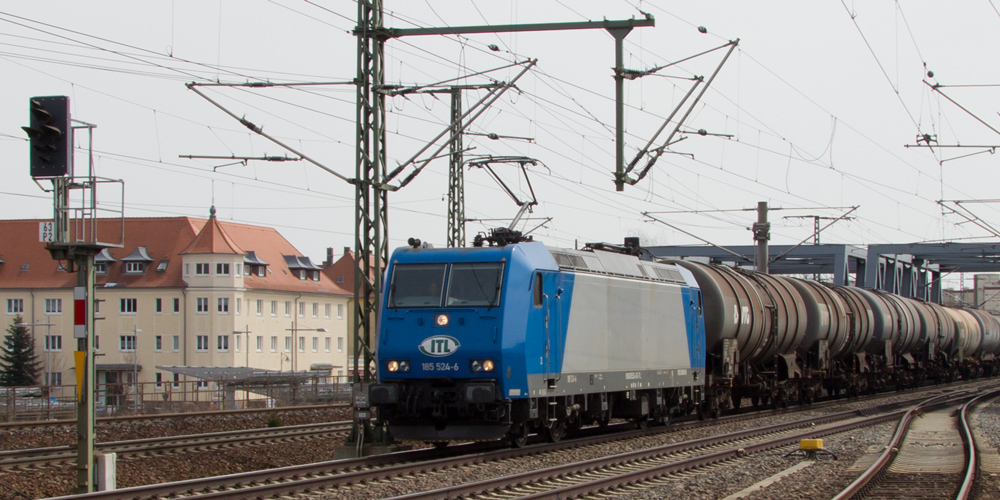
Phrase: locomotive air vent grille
{"type": "Point", "coordinates": [567, 260]}
{"type": "Point", "coordinates": [668, 274]}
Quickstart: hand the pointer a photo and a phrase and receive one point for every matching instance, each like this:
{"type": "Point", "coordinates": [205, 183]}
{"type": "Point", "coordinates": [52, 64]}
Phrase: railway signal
{"type": "Point", "coordinates": [49, 136]}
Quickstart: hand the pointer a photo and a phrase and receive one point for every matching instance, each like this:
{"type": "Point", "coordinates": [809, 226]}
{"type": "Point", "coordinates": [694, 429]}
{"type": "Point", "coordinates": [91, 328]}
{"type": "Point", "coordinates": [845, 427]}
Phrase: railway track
{"type": "Point", "coordinates": [932, 455]}
{"type": "Point", "coordinates": [45, 424]}
{"type": "Point", "coordinates": [65, 455]}
{"type": "Point", "coordinates": [353, 477]}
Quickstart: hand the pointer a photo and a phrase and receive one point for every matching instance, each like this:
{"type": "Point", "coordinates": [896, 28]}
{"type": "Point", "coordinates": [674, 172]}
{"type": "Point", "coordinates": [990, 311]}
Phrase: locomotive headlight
{"type": "Point", "coordinates": [401, 366]}
{"type": "Point", "coordinates": [481, 365]}
{"type": "Point", "coordinates": [441, 320]}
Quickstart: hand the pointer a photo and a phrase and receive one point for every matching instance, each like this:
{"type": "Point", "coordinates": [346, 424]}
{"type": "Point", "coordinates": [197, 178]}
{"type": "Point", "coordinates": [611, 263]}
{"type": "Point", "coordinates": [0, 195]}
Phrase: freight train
{"type": "Point", "coordinates": [501, 340]}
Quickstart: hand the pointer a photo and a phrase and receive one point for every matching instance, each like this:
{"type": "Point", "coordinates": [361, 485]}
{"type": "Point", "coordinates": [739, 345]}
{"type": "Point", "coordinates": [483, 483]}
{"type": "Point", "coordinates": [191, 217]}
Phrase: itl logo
{"type": "Point", "coordinates": [439, 346]}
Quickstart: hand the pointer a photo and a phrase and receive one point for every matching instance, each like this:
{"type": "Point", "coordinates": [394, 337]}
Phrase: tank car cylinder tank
{"type": "Point", "coordinates": [827, 317]}
{"type": "Point", "coordinates": [739, 305]}
{"type": "Point", "coordinates": [968, 335]}
{"type": "Point", "coordinates": [990, 328]}
{"type": "Point", "coordinates": [926, 327]}
{"type": "Point", "coordinates": [885, 320]}
{"type": "Point", "coordinates": [945, 328]}
{"type": "Point", "coordinates": [861, 322]}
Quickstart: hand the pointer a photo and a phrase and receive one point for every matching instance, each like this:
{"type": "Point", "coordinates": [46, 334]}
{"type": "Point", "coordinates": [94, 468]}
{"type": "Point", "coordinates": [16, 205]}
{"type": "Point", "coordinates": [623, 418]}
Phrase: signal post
{"type": "Point", "coordinates": [72, 237]}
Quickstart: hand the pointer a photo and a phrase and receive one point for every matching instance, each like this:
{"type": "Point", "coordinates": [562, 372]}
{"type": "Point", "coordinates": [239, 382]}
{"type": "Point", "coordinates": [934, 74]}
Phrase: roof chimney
{"type": "Point", "coordinates": [347, 250]}
{"type": "Point", "coordinates": [329, 257]}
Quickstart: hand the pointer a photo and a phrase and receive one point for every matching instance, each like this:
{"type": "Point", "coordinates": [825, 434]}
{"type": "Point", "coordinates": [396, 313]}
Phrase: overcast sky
{"type": "Point", "coordinates": [811, 113]}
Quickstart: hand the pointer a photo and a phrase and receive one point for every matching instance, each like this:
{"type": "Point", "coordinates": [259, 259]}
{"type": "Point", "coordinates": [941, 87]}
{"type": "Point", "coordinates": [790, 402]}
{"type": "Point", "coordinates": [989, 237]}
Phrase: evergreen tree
{"type": "Point", "coordinates": [19, 366]}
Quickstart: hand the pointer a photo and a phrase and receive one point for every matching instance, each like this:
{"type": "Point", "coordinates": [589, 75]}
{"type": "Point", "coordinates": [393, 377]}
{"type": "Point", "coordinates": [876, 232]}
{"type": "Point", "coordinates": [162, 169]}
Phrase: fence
{"type": "Point", "coordinates": [59, 402]}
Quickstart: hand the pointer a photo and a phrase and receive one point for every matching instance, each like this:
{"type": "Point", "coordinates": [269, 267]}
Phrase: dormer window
{"type": "Point", "coordinates": [302, 267]}
{"type": "Point", "coordinates": [253, 264]}
{"type": "Point", "coordinates": [101, 268]}
{"type": "Point", "coordinates": [136, 261]}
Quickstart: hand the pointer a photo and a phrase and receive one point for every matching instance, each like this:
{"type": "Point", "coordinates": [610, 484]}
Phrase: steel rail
{"type": "Point", "coordinates": [971, 466]}
{"type": "Point", "coordinates": [878, 468]}
{"type": "Point", "coordinates": [27, 424]}
{"type": "Point", "coordinates": [15, 458]}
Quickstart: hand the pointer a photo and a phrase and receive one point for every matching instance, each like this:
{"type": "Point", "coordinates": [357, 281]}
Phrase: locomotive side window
{"type": "Point", "coordinates": [475, 284]}
{"type": "Point", "coordinates": [417, 285]}
{"type": "Point", "coordinates": [538, 289]}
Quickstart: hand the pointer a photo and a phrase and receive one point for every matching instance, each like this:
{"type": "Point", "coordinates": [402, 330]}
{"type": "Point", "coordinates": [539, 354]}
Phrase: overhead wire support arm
{"type": "Point", "coordinates": [832, 222]}
{"type": "Point", "coordinates": [260, 131]}
{"type": "Point", "coordinates": [511, 28]}
{"type": "Point", "coordinates": [270, 84]}
{"type": "Point", "coordinates": [699, 238]}
{"type": "Point", "coordinates": [937, 88]}
{"type": "Point", "coordinates": [732, 46]}
{"type": "Point", "coordinates": [482, 106]}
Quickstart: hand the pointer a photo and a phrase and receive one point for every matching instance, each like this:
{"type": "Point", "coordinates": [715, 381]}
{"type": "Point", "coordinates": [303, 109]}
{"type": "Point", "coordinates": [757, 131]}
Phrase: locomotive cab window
{"type": "Point", "coordinates": [417, 285]}
{"type": "Point", "coordinates": [475, 284]}
{"type": "Point", "coordinates": [538, 290]}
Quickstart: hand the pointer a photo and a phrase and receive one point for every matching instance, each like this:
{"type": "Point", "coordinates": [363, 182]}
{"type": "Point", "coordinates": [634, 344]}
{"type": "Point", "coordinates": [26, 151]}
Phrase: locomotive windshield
{"type": "Point", "coordinates": [417, 285]}
{"type": "Point", "coordinates": [468, 285]}
{"type": "Point", "coordinates": [475, 285]}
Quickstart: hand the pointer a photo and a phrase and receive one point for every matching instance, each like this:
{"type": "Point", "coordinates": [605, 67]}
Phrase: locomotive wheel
{"type": "Point", "coordinates": [555, 431]}
{"type": "Point", "coordinates": [518, 435]}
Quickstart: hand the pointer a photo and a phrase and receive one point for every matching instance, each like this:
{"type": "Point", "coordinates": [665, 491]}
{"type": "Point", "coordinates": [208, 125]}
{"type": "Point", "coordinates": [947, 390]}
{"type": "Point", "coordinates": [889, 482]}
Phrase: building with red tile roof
{"type": "Point", "coordinates": [180, 292]}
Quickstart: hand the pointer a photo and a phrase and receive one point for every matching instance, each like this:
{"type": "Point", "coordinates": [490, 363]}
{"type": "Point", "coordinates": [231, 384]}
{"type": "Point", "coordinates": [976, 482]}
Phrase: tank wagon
{"type": "Point", "coordinates": [495, 342]}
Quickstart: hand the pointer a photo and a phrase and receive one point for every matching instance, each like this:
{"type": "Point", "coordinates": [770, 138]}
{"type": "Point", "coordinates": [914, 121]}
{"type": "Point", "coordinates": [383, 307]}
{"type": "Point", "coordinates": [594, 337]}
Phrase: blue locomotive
{"type": "Point", "coordinates": [499, 341]}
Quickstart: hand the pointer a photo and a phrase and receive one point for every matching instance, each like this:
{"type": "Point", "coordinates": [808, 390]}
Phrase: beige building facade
{"type": "Point", "coordinates": [181, 293]}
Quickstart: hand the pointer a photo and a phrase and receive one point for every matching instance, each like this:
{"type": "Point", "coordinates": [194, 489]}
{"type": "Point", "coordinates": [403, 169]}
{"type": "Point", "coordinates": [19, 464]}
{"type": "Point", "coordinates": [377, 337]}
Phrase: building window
{"type": "Point", "coordinates": [176, 344]}
{"type": "Point", "coordinates": [260, 343]}
{"type": "Point", "coordinates": [126, 343]}
{"type": "Point", "coordinates": [53, 378]}
{"type": "Point", "coordinates": [159, 306]}
{"type": "Point", "coordinates": [187, 269]}
{"type": "Point", "coordinates": [238, 269]}
{"type": "Point", "coordinates": [101, 268]}
{"type": "Point", "coordinates": [315, 275]}
{"type": "Point", "coordinates": [177, 380]}
{"type": "Point", "coordinates": [177, 305]}
{"type": "Point", "coordinates": [288, 344]}
{"type": "Point", "coordinates": [202, 384]}
{"type": "Point", "coordinates": [135, 267]}
{"type": "Point", "coordinates": [159, 380]}
{"type": "Point", "coordinates": [97, 342]}
{"type": "Point", "coordinates": [129, 306]}
{"type": "Point", "coordinates": [326, 344]}
{"type": "Point", "coordinates": [315, 309]}
{"type": "Point", "coordinates": [315, 344]}
{"type": "Point", "coordinates": [274, 343]}
{"type": "Point", "coordinates": [162, 266]}
{"type": "Point", "coordinates": [288, 308]}
{"type": "Point", "coordinates": [222, 342]}
{"type": "Point", "coordinates": [260, 271]}
{"type": "Point", "coordinates": [340, 279]}
{"type": "Point", "coordinates": [302, 274]}
{"type": "Point", "coordinates": [202, 343]}
{"type": "Point", "coordinates": [274, 308]}
{"type": "Point", "coordinates": [158, 343]}
{"type": "Point", "coordinates": [302, 344]}
{"type": "Point", "coordinates": [340, 311]}
{"type": "Point", "coordinates": [236, 338]}
{"type": "Point", "coordinates": [201, 269]}
{"type": "Point", "coordinates": [15, 306]}
{"type": "Point", "coordinates": [302, 309]}
{"type": "Point", "coordinates": [260, 307]}
{"type": "Point", "coordinates": [53, 306]}
{"type": "Point", "coordinates": [222, 269]}
{"type": "Point", "coordinates": [202, 305]}
{"type": "Point", "coordinates": [239, 302]}
{"type": "Point", "coordinates": [340, 344]}
{"type": "Point", "coordinates": [53, 342]}
{"type": "Point", "coordinates": [223, 305]}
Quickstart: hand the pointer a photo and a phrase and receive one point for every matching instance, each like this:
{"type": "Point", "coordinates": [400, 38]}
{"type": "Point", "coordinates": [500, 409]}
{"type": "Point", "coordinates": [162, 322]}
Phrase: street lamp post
{"type": "Point", "coordinates": [135, 366]}
{"type": "Point", "coordinates": [247, 347]}
{"type": "Point", "coordinates": [295, 343]}
{"type": "Point", "coordinates": [48, 347]}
